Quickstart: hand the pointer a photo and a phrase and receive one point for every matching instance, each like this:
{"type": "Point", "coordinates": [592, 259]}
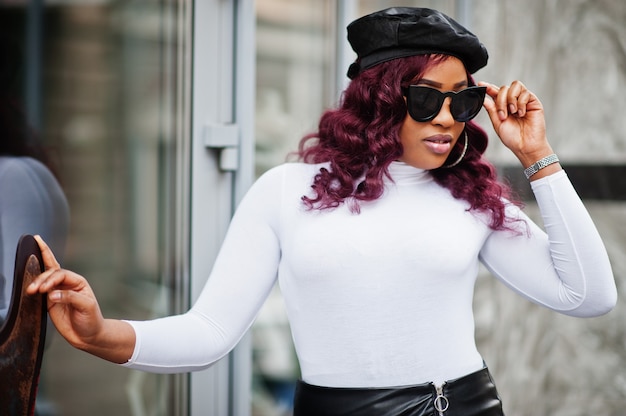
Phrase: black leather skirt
{"type": "Point", "coordinates": [471, 395]}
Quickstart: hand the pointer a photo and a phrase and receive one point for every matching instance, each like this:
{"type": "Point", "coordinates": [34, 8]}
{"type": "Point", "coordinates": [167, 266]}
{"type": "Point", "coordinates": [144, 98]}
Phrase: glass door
{"type": "Point", "coordinates": [104, 86]}
{"type": "Point", "coordinates": [222, 170]}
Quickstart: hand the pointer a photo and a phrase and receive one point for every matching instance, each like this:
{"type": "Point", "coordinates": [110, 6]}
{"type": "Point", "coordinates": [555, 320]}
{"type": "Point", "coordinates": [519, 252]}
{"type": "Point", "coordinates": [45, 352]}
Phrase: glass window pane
{"type": "Point", "coordinates": [100, 83]}
{"type": "Point", "coordinates": [295, 82]}
{"type": "Point", "coordinates": [295, 60]}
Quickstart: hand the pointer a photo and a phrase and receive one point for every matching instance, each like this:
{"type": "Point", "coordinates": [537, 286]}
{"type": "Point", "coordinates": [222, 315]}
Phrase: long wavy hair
{"type": "Point", "coordinates": [360, 139]}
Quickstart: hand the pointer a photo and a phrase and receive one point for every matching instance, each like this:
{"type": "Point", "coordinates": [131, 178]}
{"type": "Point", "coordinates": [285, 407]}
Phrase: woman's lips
{"type": "Point", "coordinates": [439, 144]}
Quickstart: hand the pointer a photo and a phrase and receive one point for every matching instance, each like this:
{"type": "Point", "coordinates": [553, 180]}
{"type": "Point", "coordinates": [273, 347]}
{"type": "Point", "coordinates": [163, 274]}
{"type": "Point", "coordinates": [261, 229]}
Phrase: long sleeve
{"type": "Point", "coordinates": [566, 268]}
{"type": "Point", "coordinates": [243, 274]}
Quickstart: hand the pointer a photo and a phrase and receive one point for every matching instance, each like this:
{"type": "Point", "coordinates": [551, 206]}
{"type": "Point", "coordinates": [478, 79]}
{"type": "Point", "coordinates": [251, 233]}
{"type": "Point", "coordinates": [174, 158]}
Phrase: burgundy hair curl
{"type": "Point", "coordinates": [360, 139]}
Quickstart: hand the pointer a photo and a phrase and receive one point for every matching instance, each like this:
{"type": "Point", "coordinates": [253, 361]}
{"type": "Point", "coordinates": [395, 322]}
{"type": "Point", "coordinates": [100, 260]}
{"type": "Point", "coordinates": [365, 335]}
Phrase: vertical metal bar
{"type": "Point", "coordinates": [211, 189]}
{"type": "Point", "coordinates": [244, 110]}
{"type": "Point", "coordinates": [346, 12]}
{"type": "Point", "coordinates": [244, 92]}
{"type": "Point", "coordinates": [464, 13]}
{"type": "Point", "coordinates": [183, 104]}
{"type": "Point", "coordinates": [33, 51]}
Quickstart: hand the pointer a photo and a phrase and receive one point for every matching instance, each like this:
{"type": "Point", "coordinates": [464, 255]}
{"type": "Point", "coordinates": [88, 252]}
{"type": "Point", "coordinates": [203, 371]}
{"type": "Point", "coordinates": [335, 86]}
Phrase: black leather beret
{"type": "Point", "coordinates": [398, 32]}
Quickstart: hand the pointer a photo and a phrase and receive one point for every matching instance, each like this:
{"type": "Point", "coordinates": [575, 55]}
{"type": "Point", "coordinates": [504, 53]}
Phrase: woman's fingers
{"type": "Point", "coordinates": [72, 305]}
{"type": "Point", "coordinates": [35, 286]}
{"type": "Point", "coordinates": [518, 119]}
{"type": "Point", "coordinates": [49, 261]}
{"type": "Point", "coordinates": [502, 104]}
{"type": "Point", "coordinates": [522, 102]}
{"type": "Point", "coordinates": [490, 105]}
{"type": "Point", "coordinates": [77, 300]}
{"type": "Point", "coordinates": [56, 279]}
{"type": "Point", "coordinates": [512, 96]}
{"type": "Point", "coordinates": [508, 99]}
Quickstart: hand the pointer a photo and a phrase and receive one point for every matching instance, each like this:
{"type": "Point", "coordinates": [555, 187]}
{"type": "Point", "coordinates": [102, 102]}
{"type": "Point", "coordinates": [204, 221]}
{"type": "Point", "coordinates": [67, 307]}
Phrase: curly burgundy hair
{"type": "Point", "coordinates": [360, 139]}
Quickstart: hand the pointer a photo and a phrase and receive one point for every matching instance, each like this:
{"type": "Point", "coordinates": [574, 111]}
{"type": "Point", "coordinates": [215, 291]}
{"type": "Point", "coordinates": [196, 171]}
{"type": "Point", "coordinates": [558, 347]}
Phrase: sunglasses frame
{"type": "Point", "coordinates": [441, 97]}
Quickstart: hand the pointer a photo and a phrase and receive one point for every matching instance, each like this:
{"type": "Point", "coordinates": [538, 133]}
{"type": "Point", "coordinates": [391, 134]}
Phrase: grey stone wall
{"type": "Point", "coordinates": [545, 363]}
{"type": "Point", "coordinates": [572, 54]}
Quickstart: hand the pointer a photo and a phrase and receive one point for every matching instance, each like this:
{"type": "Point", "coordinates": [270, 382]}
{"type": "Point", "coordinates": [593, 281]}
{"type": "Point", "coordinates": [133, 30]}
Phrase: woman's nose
{"type": "Point", "coordinates": [444, 116]}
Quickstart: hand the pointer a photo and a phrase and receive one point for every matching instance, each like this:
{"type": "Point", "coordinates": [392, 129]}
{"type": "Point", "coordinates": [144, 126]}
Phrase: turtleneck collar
{"type": "Point", "coordinates": [404, 174]}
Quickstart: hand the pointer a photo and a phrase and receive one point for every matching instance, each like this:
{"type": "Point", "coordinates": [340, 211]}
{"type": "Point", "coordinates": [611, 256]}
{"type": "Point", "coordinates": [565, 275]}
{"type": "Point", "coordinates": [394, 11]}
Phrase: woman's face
{"type": "Point", "coordinates": [426, 145]}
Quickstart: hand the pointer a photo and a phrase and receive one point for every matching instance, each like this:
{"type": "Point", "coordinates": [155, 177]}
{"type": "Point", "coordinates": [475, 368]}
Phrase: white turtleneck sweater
{"type": "Point", "coordinates": [384, 297]}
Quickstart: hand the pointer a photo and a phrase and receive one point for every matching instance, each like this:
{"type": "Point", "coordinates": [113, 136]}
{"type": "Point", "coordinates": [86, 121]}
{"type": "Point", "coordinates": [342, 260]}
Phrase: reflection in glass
{"type": "Point", "coordinates": [103, 81]}
{"type": "Point", "coordinates": [32, 201]}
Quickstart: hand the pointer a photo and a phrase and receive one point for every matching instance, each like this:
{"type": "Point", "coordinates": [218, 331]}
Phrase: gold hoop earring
{"type": "Point", "coordinates": [456, 162]}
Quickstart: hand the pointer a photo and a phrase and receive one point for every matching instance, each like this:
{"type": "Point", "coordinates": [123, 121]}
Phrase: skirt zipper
{"type": "Point", "coordinates": [441, 401]}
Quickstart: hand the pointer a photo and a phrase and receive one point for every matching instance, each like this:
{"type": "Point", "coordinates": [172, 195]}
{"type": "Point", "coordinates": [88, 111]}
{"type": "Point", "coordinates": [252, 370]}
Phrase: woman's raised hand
{"type": "Point", "coordinates": [518, 119]}
{"type": "Point", "coordinates": [74, 311]}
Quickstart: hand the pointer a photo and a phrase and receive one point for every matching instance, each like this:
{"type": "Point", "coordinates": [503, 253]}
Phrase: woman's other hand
{"type": "Point", "coordinates": [74, 310]}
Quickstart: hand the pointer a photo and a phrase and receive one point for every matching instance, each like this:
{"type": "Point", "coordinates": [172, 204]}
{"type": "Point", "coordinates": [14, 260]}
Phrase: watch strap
{"type": "Point", "coordinates": [540, 164]}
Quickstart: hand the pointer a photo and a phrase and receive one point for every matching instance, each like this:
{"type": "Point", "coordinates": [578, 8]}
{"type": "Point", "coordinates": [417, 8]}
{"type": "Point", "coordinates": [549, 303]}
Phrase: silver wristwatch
{"type": "Point", "coordinates": [540, 164]}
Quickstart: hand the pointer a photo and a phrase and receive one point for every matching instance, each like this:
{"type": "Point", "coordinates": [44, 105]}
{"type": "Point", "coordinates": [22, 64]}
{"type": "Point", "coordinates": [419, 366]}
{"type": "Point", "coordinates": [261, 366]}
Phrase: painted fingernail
{"type": "Point", "coordinates": [512, 109]}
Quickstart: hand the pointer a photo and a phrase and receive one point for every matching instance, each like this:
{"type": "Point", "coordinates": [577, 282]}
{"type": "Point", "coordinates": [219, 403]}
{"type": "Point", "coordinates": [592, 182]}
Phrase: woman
{"type": "Point", "coordinates": [376, 239]}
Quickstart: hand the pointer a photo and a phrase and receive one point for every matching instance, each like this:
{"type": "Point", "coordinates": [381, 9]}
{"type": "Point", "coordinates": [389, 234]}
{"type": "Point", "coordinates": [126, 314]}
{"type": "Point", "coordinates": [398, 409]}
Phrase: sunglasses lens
{"type": "Point", "coordinates": [467, 103]}
{"type": "Point", "coordinates": [424, 103]}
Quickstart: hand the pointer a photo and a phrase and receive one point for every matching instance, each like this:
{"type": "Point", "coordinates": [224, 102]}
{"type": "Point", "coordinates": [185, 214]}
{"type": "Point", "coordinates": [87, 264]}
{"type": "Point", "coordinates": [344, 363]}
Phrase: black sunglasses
{"type": "Point", "coordinates": [424, 103]}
